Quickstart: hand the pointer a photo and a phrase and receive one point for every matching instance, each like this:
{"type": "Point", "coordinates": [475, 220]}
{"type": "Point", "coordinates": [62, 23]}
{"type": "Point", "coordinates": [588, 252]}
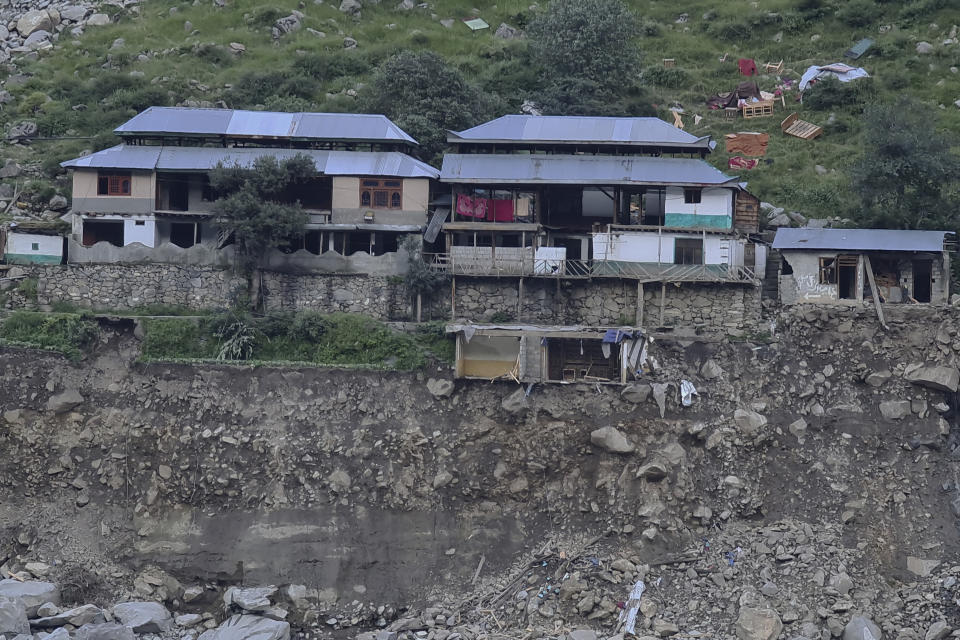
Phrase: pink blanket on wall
{"type": "Point", "coordinates": [485, 208]}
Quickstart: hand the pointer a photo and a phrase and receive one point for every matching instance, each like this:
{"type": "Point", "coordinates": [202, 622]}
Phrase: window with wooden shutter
{"type": "Point", "coordinates": [116, 183]}
{"type": "Point", "coordinates": [381, 194]}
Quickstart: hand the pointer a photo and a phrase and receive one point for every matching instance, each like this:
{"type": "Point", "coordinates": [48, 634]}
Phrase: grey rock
{"type": "Point", "coordinates": [878, 378]}
{"type": "Point", "coordinates": [636, 393]}
{"type": "Point", "coordinates": [612, 440]}
{"type": "Point", "coordinates": [660, 396]}
{"type": "Point", "coordinates": [252, 599]}
{"type": "Point", "coordinates": [798, 428]}
{"type": "Point", "coordinates": [285, 25]}
{"type": "Point", "coordinates": [352, 7]}
{"type": "Point", "coordinates": [895, 409]}
{"type": "Point", "coordinates": [782, 220]}
{"type": "Point", "coordinates": [58, 203]}
{"type": "Point", "coordinates": [188, 620]}
{"type": "Point", "coordinates": [22, 130]}
{"type": "Point", "coordinates": [758, 624]}
{"type": "Point", "coordinates": [73, 13]}
{"type": "Point", "coordinates": [32, 594]}
{"type": "Point", "coordinates": [582, 634]}
{"type": "Point", "coordinates": [653, 471]}
{"type": "Point", "coordinates": [144, 617]}
{"type": "Point", "coordinates": [98, 20]}
{"type": "Point", "coordinates": [39, 39]}
{"type": "Point", "coordinates": [349, 43]}
{"type": "Point", "coordinates": [749, 421]}
{"type": "Point", "coordinates": [516, 402]}
{"type": "Point", "coordinates": [448, 23]}
{"type": "Point", "coordinates": [13, 617]}
{"type": "Point", "coordinates": [5, 96]}
{"type": "Point", "coordinates": [442, 479]}
{"type": "Point", "coordinates": [933, 376]}
{"type": "Point", "coordinates": [64, 401]}
{"type": "Point", "coordinates": [861, 628]}
{"type": "Point", "coordinates": [710, 370]}
{"type": "Point", "coordinates": [440, 388]}
{"type": "Point", "coordinates": [77, 617]}
{"type": "Point", "coordinates": [920, 566]}
{"type": "Point", "coordinates": [507, 32]}
{"type": "Point", "coordinates": [938, 630]}
{"type": "Point", "coordinates": [924, 48]}
{"type": "Point", "coordinates": [34, 21]}
{"type": "Point", "coordinates": [10, 169]}
{"type": "Point", "coordinates": [249, 627]}
{"type": "Point", "coordinates": [60, 633]}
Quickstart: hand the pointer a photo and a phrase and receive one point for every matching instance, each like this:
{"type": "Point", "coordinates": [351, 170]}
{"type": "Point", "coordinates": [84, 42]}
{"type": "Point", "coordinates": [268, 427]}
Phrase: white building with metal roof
{"type": "Point", "coordinates": [153, 190]}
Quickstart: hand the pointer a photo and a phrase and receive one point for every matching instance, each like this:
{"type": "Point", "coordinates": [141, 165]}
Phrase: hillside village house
{"type": "Point", "coordinates": [609, 203]}
{"type": "Point", "coordinates": [839, 266]}
{"type": "Point", "coordinates": [149, 198]}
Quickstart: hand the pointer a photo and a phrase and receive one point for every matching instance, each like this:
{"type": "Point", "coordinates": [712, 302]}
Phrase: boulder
{"type": "Point", "coordinates": [13, 617]}
{"type": "Point", "coordinates": [612, 440]}
{"type": "Point", "coordinates": [710, 370]}
{"type": "Point", "coordinates": [878, 378]}
{"type": "Point", "coordinates": [247, 627]}
{"type": "Point", "coordinates": [938, 630]}
{"type": "Point", "coordinates": [582, 634]}
{"type": "Point", "coordinates": [144, 617]}
{"type": "Point", "coordinates": [758, 624]}
{"type": "Point", "coordinates": [11, 169]}
{"type": "Point", "coordinates": [252, 599]}
{"type": "Point", "coordinates": [653, 471]}
{"type": "Point", "coordinates": [98, 20]}
{"type": "Point", "coordinates": [32, 594]}
{"type": "Point", "coordinates": [39, 39]}
{"type": "Point", "coordinates": [22, 130]}
{"type": "Point", "coordinates": [107, 631]}
{"type": "Point", "coordinates": [516, 402]}
{"type": "Point", "coordinates": [77, 617]}
{"type": "Point", "coordinates": [285, 25]}
{"type": "Point", "coordinates": [924, 48]}
{"type": "Point", "coordinates": [895, 409]}
{"type": "Point", "coordinates": [352, 7]}
{"type": "Point", "coordinates": [636, 393]}
{"type": "Point", "coordinates": [73, 13]}
{"type": "Point", "coordinates": [507, 32]}
{"type": "Point", "coordinates": [65, 401]}
{"type": "Point", "coordinates": [34, 21]}
{"type": "Point", "coordinates": [440, 388]}
{"type": "Point", "coordinates": [861, 628]}
{"type": "Point", "coordinates": [933, 376]}
{"type": "Point", "coordinates": [921, 567]}
{"type": "Point", "coordinates": [749, 421]}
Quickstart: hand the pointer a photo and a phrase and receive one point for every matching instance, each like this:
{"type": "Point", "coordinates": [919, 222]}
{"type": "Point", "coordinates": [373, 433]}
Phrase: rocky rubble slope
{"type": "Point", "coordinates": [811, 487]}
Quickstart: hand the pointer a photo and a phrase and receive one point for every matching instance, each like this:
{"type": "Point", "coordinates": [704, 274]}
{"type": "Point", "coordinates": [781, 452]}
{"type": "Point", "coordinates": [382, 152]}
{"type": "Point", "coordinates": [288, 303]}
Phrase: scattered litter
{"type": "Point", "coordinates": [747, 67]}
{"type": "Point", "coordinates": [746, 91]}
{"type": "Point", "coordinates": [677, 120]}
{"type": "Point", "coordinates": [731, 558]}
{"type": "Point", "coordinates": [737, 162]}
{"type": "Point", "coordinates": [858, 49]}
{"type": "Point", "coordinates": [697, 119]}
{"type": "Point", "coordinates": [687, 391]}
{"type": "Point", "coordinates": [840, 71]}
{"type": "Point", "coordinates": [476, 24]}
{"type": "Point", "coordinates": [529, 389]}
{"type": "Point", "coordinates": [632, 607]}
{"type": "Point", "coordinates": [748, 143]}
{"type": "Point", "coordinates": [776, 67]}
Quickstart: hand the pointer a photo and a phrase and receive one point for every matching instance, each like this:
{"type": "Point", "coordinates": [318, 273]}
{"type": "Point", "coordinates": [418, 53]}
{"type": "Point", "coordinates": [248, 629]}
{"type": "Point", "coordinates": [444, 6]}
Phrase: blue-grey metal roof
{"type": "Point", "coordinates": [189, 121]}
{"type": "Point", "coordinates": [579, 130]}
{"type": "Point", "coordinates": [577, 169]}
{"type": "Point", "coordinates": [859, 240]}
{"type": "Point", "coordinates": [341, 163]}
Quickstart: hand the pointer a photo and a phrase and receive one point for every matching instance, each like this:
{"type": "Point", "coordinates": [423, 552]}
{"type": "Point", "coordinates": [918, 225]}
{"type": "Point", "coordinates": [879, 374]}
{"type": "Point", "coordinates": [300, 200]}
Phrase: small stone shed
{"type": "Point", "coordinates": [838, 266]}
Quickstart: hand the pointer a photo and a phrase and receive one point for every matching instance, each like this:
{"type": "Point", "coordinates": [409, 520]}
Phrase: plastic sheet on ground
{"type": "Point", "coordinates": [687, 391]}
{"type": "Point", "coordinates": [629, 613]}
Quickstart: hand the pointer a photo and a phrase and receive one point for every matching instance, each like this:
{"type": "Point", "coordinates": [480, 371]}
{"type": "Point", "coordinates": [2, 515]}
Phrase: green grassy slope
{"type": "Point", "coordinates": [89, 85]}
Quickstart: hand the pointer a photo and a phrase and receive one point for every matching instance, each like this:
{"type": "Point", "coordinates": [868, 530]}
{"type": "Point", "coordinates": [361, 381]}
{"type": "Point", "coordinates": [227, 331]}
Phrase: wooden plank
{"type": "Point", "coordinates": [873, 290]}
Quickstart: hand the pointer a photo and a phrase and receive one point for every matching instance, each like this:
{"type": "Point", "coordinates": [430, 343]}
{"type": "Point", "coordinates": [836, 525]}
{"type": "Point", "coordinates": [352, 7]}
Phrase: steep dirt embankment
{"type": "Point", "coordinates": [805, 463]}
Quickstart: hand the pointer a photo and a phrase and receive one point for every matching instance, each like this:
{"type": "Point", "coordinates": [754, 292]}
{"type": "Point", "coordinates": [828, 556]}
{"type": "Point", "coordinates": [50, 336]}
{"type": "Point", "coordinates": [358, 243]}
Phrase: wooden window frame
{"type": "Point", "coordinates": [692, 195]}
{"type": "Point", "coordinates": [381, 193]}
{"type": "Point", "coordinates": [114, 183]}
{"type": "Point", "coordinates": [828, 270]}
{"type": "Point", "coordinates": [680, 252]}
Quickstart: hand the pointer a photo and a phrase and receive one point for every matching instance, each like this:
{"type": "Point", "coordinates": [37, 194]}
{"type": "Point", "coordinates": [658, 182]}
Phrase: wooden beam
{"type": "Point", "coordinates": [873, 290]}
{"type": "Point", "coordinates": [663, 295]}
{"type": "Point", "coordinates": [453, 298]}
{"type": "Point", "coordinates": [640, 304]}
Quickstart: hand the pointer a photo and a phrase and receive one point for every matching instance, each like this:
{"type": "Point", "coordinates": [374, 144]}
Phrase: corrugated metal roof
{"type": "Point", "coordinates": [563, 169]}
{"type": "Point", "coordinates": [343, 163]}
{"type": "Point", "coordinates": [579, 129]}
{"type": "Point", "coordinates": [859, 239]}
{"type": "Point", "coordinates": [230, 122]}
{"type": "Point", "coordinates": [118, 157]}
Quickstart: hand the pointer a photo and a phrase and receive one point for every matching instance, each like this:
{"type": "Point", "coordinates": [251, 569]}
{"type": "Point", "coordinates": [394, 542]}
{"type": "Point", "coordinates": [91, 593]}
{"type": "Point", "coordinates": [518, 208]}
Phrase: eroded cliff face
{"type": "Point", "coordinates": [807, 460]}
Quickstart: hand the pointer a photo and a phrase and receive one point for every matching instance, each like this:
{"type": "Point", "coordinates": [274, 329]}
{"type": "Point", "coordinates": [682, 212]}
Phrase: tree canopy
{"type": "Point", "coordinates": [252, 204]}
{"type": "Point", "coordinates": [906, 170]}
{"type": "Point", "coordinates": [586, 51]}
{"type": "Point", "coordinates": [426, 97]}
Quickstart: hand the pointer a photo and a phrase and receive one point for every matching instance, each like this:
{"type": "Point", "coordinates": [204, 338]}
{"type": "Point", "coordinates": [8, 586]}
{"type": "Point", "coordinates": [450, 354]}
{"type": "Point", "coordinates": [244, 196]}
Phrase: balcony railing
{"type": "Point", "coordinates": [527, 266]}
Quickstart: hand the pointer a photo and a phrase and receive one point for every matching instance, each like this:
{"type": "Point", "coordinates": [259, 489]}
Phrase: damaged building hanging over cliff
{"type": "Point", "coordinates": [840, 266]}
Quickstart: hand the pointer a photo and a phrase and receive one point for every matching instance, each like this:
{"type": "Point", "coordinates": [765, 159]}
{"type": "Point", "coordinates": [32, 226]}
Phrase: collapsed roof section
{"type": "Point", "coordinates": [333, 163]}
{"type": "Point", "coordinates": [860, 240]}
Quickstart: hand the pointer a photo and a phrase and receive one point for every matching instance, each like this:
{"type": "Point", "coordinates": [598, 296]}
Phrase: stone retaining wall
{"type": "Point", "coordinates": [607, 302]}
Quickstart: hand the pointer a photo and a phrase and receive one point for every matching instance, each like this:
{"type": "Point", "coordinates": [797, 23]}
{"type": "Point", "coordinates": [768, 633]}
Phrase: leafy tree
{"type": "Point", "coordinates": [907, 169]}
{"type": "Point", "coordinates": [421, 281]}
{"type": "Point", "coordinates": [586, 52]}
{"type": "Point", "coordinates": [253, 206]}
{"type": "Point", "coordinates": [425, 97]}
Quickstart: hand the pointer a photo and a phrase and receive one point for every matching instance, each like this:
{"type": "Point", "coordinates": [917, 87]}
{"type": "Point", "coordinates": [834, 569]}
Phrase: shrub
{"type": "Point", "coordinates": [672, 78]}
{"type": "Point", "coordinates": [308, 326]}
{"type": "Point", "coordinates": [857, 13]}
{"type": "Point", "coordinates": [174, 338]}
{"type": "Point", "coordinates": [68, 333]}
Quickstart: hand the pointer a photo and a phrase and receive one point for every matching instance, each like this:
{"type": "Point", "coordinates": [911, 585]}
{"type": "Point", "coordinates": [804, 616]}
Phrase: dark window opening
{"type": "Point", "coordinates": [922, 280]}
{"type": "Point", "coordinates": [313, 242]}
{"type": "Point", "coordinates": [184, 234]}
{"type": "Point", "coordinates": [381, 194]}
{"type": "Point", "coordinates": [688, 251]}
{"type": "Point", "coordinates": [385, 242]}
{"type": "Point", "coordinates": [691, 196]}
{"type": "Point", "coordinates": [569, 360]}
{"type": "Point", "coordinates": [828, 271]}
{"type": "Point", "coordinates": [786, 268]}
{"type": "Point", "coordinates": [207, 193]}
{"type": "Point", "coordinates": [847, 267]}
{"type": "Point", "coordinates": [654, 203]}
{"type": "Point", "coordinates": [95, 231]}
{"type": "Point", "coordinates": [315, 193]}
{"type": "Point", "coordinates": [113, 184]}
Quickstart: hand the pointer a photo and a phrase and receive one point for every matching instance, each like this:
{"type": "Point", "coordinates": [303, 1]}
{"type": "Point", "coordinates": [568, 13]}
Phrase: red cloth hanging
{"type": "Point", "coordinates": [747, 67]}
{"type": "Point", "coordinates": [500, 211]}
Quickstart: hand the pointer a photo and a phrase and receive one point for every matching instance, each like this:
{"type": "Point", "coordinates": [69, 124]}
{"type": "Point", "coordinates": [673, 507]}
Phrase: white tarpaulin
{"type": "Point", "coordinates": [840, 71]}
{"type": "Point", "coordinates": [631, 608]}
